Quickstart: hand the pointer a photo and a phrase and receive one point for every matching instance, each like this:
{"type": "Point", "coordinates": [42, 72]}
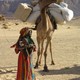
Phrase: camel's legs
{"type": "Point", "coordinates": [45, 54]}
{"type": "Point", "coordinates": [42, 43]}
{"type": "Point", "coordinates": [52, 62]}
{"type": "Point", "coordinates": [38, 53]}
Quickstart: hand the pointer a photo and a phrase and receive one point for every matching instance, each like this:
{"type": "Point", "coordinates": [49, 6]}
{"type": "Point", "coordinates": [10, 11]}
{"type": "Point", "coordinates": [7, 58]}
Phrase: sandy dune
{"type": "Point", "coordinates": [66, 51]}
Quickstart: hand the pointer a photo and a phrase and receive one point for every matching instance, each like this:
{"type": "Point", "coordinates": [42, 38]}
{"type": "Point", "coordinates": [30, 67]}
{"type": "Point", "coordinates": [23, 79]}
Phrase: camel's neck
{"type": "Point", "coordinates": [43, 16]}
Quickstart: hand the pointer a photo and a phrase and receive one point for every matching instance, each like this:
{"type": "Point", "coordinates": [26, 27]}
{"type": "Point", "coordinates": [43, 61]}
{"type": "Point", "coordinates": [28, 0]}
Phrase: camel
{"type": "Point", "coordinates": [45, 30]}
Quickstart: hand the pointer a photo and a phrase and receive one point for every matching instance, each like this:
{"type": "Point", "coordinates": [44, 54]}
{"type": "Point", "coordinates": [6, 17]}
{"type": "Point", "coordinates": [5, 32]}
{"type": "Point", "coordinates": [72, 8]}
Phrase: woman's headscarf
{"type": "Point", "coordinates": [24, 31]}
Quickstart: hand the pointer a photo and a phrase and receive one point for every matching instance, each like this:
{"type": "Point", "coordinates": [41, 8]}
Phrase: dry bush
{"type": "Point", "coordinates": [2, 18]}
{"type": "Point", "coordinates": [5, 26]}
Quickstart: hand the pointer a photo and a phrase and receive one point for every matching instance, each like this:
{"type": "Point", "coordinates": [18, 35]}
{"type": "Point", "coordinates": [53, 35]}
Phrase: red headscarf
{"type": "Point", "coordinates": [24, 31]}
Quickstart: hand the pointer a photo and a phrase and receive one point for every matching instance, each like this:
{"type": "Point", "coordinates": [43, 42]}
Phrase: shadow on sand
{"type": "Point", "coordinates": [67, 70]}
{"type": "Point", "coordinates": [75, 79]}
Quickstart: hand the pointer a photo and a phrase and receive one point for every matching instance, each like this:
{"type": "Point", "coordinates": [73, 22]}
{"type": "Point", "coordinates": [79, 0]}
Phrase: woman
{"type": "Point", "coordinates": [24, 47]}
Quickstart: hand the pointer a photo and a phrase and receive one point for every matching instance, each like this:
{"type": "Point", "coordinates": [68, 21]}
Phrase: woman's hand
{"type": "Point", "coordinates": [16, 50]}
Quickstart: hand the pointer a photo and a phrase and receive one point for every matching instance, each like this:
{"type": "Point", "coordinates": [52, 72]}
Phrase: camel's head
{"type": "Point", "coordinates": [45, 3]}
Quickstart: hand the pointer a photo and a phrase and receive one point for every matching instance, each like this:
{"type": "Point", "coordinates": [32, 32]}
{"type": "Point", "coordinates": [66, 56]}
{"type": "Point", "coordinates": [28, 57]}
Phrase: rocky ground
{"type": "Point", "coordinates": [66, 51]}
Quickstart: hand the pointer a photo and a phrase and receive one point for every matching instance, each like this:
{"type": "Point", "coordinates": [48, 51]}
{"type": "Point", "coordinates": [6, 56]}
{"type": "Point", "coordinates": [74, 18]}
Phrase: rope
{"type": "Point", "coordinates": [6, 36]}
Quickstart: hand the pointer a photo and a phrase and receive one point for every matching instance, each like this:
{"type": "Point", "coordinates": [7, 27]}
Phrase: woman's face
{"type": "Point", "coordinates": [30, 33]}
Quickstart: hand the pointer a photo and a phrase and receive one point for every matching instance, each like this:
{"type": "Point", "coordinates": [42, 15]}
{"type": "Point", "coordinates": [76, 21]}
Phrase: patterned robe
{"type": "Point", "coordinates": [25, 46]}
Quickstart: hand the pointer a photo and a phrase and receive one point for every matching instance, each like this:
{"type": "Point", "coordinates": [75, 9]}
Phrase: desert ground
{"type": "Point", "coordinates": [66, 51]}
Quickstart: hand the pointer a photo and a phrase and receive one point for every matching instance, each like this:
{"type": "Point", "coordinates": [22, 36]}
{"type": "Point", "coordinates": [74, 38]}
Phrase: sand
{"type": "Point", "coordinates": [66, 51]}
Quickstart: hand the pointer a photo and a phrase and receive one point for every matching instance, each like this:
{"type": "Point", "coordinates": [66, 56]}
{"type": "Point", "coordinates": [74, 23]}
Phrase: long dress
{"type": "Point", "coordinates": [25, 67]}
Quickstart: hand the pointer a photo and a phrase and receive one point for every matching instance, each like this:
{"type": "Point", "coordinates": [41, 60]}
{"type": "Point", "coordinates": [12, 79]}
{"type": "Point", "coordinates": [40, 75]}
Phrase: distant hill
{"type": "Point", "coordinates": [75, 6]}
{"type": "Point", "coordinates": [14, 4]}
{"type": "Point", "coordinates": [9, 6]}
